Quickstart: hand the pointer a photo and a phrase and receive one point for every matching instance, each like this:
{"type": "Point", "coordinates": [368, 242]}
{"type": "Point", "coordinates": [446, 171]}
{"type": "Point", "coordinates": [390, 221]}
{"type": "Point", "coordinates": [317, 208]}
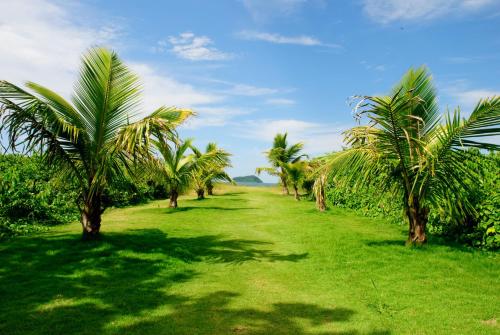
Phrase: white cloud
{"type": "Point", "coordinates": [467, 100]}
{"type": "Point", "coordinates": [44, 46]}
{"type": "Point", "coordinates": [215, 116]}
{"type": "Point", "coordinates": [40, 44]}
{"type": "Point", "coordinates": [249, 90]}
{"type": "Point", "coordinates": [318, 138]}
{"type": "Point", "coordinates": [262, 10]}
{"type": "Point", "coordinates": [280, 102]}
{"type": "Point", "coordinates": [163, 90]}
{"type": "Point", "coordinates": [280, 39]}
{"type": "Point", "coordinates": [368, 66]}
{"type": "Point", "coordinates": [386, 11]}
{"type": "Point", "coordinates": [189, 46]}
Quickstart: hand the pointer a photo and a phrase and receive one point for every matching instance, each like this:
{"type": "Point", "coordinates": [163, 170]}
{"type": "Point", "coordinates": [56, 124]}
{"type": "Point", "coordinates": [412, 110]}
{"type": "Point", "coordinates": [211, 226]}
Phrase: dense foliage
{"type": "Point", "coordinates": [31, 198]}
{"type": "Point", "coordinates": [480, 229]}
{"type": "Point", "coordinates": [34, 197]}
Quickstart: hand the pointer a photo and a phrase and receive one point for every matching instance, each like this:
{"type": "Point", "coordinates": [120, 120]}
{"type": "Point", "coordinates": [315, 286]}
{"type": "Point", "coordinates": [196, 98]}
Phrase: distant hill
{"type": "Point", "coordinates": [247, 179]}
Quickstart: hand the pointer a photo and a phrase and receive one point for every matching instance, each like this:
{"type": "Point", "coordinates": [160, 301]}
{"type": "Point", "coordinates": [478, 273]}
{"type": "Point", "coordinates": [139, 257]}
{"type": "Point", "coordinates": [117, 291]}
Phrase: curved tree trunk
{"type": "Point", "coordinates": [210, 189]}
{"type": "Point", "coordinates": [284, 184]}
{"type": "Point", "coordinates": [90, 218]}
{"type": "Point", "coordinates": [201, 193]}
{"type": "Point", "coordinates": [296, 192]}
{"type": "Point", "coordinates": [417, 219]}
{"type": "Point", "coordinates": [173, 198]}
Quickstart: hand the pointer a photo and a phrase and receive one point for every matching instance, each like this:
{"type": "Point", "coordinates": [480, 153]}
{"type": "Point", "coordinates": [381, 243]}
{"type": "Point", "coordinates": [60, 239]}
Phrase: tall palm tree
{"type": "Point", "coordinates": [279, 155]}
{"type": "Point", "coordinates": [93, 138]}
{"type": "Point", "coordinates": [417, 152]}
{"type": "Point", "coordinates": [204, 178]}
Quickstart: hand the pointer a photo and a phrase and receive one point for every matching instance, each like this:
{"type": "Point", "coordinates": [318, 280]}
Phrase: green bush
{"type": "Point", "coordinates": [32, 197]}
{"type": "Point", "coordinates": [481, 228]}
{"type": "Point", "coordinates": [370, 201]}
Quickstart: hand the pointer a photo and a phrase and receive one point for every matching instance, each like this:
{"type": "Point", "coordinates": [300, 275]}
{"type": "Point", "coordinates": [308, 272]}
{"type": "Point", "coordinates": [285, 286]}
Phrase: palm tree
{"type": "Point", "coordinates": [93, 138]}
{"type": "Point", "coordinates": [279, 155]}
{"type": "Point", "coordinates": [295, 173]}
{"type": "Point", "coordinates": [179, 167]}
{"type": "Point", "coordinates": [417, 152]}
{"type": "Point", "coordinates": [204, 178]}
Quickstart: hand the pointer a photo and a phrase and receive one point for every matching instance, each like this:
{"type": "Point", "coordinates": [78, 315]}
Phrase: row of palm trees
{"type": "Point", "coordinates": [101, 135]}
{"type": "Point", "coordinates": [402, 145]}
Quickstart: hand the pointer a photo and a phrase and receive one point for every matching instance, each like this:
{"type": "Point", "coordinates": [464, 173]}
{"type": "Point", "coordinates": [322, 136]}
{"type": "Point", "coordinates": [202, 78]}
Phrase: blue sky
{"type": "Point", "coordinates": [251, 68]}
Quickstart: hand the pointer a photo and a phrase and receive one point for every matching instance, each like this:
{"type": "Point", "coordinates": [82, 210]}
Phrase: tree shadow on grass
{"type": "Point", "coordinates": [432, 242]}
{"type": "Point", "coordinates": [120, 285]}
{"type": "Point", "coordinates": [219, 317]}
{"type": "Point", "coordinates": [172, 211]}
{"type": "Point", "coordinates": [217, 208]}
{"type": "Point", "coordinates": [57, 284]}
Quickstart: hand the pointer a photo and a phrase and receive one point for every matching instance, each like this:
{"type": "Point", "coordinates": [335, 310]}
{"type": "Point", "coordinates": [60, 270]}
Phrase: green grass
{"type": "Point", "coordinates": [246, 262]}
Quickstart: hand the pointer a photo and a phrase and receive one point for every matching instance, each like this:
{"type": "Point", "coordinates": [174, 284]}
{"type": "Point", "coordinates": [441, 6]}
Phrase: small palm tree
{"type": "Point", "coordinates": [295, 173]}
{"type": "Point", "coordinates": [179, 167]}
{"type": "Point", "coordinates": [95, 137]}
{"type": "Point", "coordinates": [205, 178]}
{"type": "Point", "coordinates": [417, 152]}
{"type": "Point", "coordinates": [279, 155]}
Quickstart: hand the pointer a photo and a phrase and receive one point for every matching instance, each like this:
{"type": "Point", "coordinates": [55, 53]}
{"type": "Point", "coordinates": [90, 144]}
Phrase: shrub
{"type": "Point", "coordinates": [31, 198]}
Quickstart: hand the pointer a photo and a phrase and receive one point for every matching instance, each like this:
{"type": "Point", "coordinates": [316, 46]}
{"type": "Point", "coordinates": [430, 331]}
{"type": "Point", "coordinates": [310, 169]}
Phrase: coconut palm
{"type": "Point", "coordinates": [279, 155]}
{"type": "Point", "coordinates": [95, 136]}
{"type": "Point", "coordinates": [205, 178]}
{"type": "Point", "coordinates": [417, 152]}
{"type": "Point", "coordinates": [295, 173]}
{"type": "Point", "coordinates": [180, 164]}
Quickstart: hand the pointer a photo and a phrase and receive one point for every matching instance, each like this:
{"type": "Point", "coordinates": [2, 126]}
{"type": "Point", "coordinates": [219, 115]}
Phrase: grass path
{"type": "Point", "coordinates": [246, 262]}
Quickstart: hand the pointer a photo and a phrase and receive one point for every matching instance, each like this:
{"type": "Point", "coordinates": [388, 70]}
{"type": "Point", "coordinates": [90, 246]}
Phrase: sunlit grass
{"type": "Point", "coordinates": [247, 262]}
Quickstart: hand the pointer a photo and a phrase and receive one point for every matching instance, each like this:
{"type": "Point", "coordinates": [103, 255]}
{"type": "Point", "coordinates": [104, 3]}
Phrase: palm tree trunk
{"type": "Point", "coordinates": [296, 192]}
{"type": "Point", "coordinates": [210, 189]}
{"type": "Point", "coordinates": [285, 185]}
{"type": "Point", "coordinates": [174, 194]}
{"type": "Point", "coordinates": [320, 200]}
{"type": "Point", "coordinates": [418, 217]}
{"type": "Point", "coordinates": [201, 193]}
{"type": "Point", "coordinates": [91, 218]}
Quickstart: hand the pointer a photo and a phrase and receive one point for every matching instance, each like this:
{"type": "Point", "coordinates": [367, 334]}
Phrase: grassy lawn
{"type": "Point", "coordinates": [249, 261]}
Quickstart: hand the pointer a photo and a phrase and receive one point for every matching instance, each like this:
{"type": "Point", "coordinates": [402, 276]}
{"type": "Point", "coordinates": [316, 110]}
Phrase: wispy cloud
{"type": "Point", "coordinates": [249, 90]}
{"type": "Point", "coordinates": [262, 10]}
{"type": "Point", "coordinates": [387, 11]}
{"type": "Point", "coordinates": [189, 46]}
{"type": "Point", "coordinates": [468, 99]}
{"type": "Point", "coordinates": [243, 89]}
{"type": "Point", "coordinates": [281, 39]}
{"type": "Point", "coordinates": [468, 59]}
{"type": "Point", "coordinates": [318, 138]}
{"type": "Point", "coordinates": [460, 93]}
{"type": "Point", "coordinates": [216, 116]}
{"type": "Point", "coordinates": [280, 102]}
{"type": "Point", "coordinates": [368, 66]}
